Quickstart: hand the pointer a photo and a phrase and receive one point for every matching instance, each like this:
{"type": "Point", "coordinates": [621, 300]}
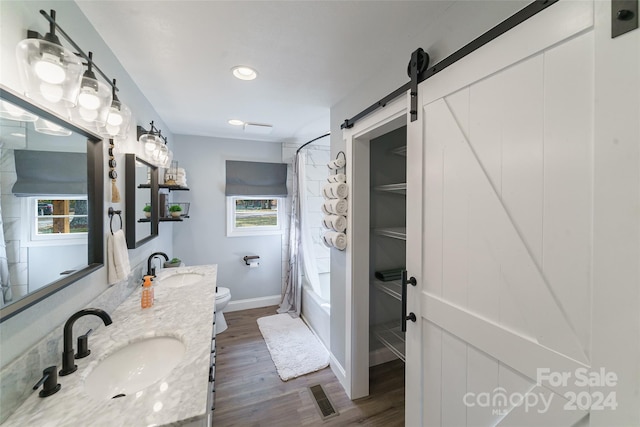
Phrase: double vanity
{"type": "Point", "coordinates": [150, 367]}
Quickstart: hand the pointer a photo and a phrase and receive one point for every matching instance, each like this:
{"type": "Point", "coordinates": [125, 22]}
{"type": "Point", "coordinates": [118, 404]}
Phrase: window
{"type": "Point", "coordinates": [59, 218]}
{"type": "Point", "coordinates": [251, 216]}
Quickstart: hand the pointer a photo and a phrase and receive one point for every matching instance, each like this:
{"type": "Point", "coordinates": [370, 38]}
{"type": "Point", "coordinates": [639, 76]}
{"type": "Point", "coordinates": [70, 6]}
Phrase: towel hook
{"type": "Point", "coordinates": [112, 212]}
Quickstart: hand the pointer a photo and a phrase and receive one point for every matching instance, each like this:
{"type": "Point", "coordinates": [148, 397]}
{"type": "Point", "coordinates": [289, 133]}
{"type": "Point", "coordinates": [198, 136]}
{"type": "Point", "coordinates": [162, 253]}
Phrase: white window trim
{"type": "Point", "coordinates": [233, 231]}
{"type": "Point", "coordinates": [33, 239]}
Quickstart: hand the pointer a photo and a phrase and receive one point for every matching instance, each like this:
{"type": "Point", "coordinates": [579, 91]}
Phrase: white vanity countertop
{"type": "Point", "coordinates": [186, 313]}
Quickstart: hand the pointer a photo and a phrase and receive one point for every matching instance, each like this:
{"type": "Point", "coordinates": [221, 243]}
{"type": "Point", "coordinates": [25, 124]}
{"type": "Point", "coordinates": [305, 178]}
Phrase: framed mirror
{"type": "Point", "coordinates": [51, 203]}
{"type": "Point", "coordinates": [141, 201]}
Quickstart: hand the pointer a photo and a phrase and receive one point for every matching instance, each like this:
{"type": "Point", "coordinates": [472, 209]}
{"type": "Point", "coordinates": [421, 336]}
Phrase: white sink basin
{"type": "Point", "coordinates": [134, 367]}
{"type": "Point", "coordinates": [180, 279]}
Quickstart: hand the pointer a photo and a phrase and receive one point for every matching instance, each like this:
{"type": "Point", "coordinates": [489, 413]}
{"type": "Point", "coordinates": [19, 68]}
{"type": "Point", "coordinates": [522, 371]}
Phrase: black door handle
{"type": "Point", "coordinates": [412, 280]}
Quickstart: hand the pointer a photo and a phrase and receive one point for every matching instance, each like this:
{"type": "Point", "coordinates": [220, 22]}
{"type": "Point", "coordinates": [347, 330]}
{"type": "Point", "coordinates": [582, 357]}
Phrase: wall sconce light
{"type": "Point", "coordinates": [49, 72]}
{"type": "Point", "coordinates": [94, 99]}
{"type": "Point", "coordinates": [119, 117]}
{"type": "Point", "coordinates": [52, 74]}
{"type": "Point", "coordinates": [155, 145]}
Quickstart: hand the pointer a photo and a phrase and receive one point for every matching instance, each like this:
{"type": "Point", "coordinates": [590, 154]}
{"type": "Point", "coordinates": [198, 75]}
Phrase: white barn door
{"type": "Point", "coordinates": [525, 158]}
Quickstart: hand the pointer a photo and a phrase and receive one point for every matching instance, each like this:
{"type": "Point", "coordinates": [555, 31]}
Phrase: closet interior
{"type": "Point", "coordinates": [387, 244]}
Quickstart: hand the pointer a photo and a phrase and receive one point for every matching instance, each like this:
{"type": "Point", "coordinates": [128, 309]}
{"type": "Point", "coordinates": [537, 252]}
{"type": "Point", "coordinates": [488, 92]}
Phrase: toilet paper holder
{"type": "Point", "coordinates": [250, 257]}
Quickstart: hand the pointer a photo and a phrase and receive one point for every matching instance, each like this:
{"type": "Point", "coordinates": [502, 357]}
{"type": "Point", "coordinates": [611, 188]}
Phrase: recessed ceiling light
{"type": "Point", "coordinates": [235, 122]}
{"type": "Point", "coordinates": [244, 73]}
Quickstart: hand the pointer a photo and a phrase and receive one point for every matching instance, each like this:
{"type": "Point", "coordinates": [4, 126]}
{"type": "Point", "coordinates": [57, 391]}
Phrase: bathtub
{"type": "Point", "coordinates": [316, 308]}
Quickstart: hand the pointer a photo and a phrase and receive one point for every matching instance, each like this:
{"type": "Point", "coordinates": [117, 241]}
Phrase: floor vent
{"type": "Point", "coordinates": [324, 405]}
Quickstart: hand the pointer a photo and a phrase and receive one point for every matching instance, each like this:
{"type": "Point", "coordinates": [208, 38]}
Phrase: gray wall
{"type": "Point", "coordinates": [21, 332]}
{"type": "Point", "coordinates": [201, 239]}
{"type": "Point", "coordinates": [461, 23]}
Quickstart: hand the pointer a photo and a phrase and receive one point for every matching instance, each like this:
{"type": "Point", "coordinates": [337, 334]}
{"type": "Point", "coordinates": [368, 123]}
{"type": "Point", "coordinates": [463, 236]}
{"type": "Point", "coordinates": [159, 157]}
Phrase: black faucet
{"type": "Point", "coordinates": [68, 366]}
{"type": "Point", "coordinates": [151, 271]}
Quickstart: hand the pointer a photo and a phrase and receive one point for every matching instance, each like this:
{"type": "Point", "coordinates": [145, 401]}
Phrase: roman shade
{"type": "Point", "coordinates": [50, 173]}
{"type": "Point", "coordinates": [256, 179]}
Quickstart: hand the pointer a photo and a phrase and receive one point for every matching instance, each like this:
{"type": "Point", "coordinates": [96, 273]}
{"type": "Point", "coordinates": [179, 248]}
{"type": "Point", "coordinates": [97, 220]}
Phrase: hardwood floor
{"type": "Point", "coordinates": [249, 391]}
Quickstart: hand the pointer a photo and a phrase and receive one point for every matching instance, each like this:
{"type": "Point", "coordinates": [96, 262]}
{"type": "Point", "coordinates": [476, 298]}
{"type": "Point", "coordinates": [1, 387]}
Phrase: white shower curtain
{"type": "Point", "coordinates": [301, 259]}
{"type": "Point", "coordinates": [5, 280]}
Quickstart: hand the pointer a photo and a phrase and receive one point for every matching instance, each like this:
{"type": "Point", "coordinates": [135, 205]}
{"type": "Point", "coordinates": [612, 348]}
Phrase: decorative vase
{"type": "Point", "coordinates": [175, 214]}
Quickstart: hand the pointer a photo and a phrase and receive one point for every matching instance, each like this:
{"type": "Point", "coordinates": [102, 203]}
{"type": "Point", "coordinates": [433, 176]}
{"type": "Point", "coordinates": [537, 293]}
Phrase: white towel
{"type": "Point", "coordinates": [118, 267]}
{"type": "Point", "coordinates": [335, 222]}
{"type": "Point", "coordinates": [336, 164]}
{"type": "Point", "coordinates": [339, 177]}
{"type": "Point", "coordinates": [335, 207]}
{"type": "Point", "coordinates": [334, 239]}
{"type": "Point", "coordinates": [335, 190]}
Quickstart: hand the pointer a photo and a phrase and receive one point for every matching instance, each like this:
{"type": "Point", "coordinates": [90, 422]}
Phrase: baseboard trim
{"type": "Point", "coordinates": [339, 372]}
{"type": "Point", "coordinates": [249, 303]}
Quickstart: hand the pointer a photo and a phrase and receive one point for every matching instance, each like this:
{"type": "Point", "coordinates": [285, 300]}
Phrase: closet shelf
{"type": "Point", "coordinates": [400, 151]}
{"type": "Point", "coordinates": [391, 336]}
{"type": "Point", "coordinates": [400, 188]}
{"type": "Point", "coordinates": [392, 288]}
{"type": "Point", "coordinates": [393, 232]}
{"type": "Point", "coordinates": [170, 187]}
{"type": "Point", "coordinates": [166, 219]}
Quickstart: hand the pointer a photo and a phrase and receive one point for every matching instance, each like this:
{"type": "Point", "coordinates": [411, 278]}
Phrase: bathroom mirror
{"type": "Point", "coordinates": [51, 206]}
{"type": "Point", "coordinates": [141, 201]}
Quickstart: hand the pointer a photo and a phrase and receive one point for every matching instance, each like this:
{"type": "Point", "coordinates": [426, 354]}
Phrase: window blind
{"type": "Point", "coordinates": [50, 173]}
{"type": "Point", "coordinates": [256, 179]}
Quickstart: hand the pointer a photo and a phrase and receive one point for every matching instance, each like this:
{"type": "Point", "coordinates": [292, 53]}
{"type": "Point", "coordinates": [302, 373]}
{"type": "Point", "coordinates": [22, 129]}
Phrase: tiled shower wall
{"type": "Point", "coordinates": [12, 215]}
{"type": "Point", "coordinates": [317, 157]}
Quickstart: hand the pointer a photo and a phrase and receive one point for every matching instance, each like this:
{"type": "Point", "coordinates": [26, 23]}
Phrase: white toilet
{"type": "Point", "coordinates": [223, 296]}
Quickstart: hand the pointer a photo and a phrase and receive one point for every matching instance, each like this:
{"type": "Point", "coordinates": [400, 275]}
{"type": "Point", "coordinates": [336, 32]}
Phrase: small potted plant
{"type": "Point", "coordinates": [174, 262]}
{"type": "Point", "coordinates": [147, 211]}
{"type": "Point", "coordinates": [175, 210]}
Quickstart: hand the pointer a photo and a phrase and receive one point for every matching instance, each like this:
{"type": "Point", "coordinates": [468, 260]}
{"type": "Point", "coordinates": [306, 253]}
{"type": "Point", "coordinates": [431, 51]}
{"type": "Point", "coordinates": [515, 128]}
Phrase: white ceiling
{"type": "Point", "coordinates": [309, 55]}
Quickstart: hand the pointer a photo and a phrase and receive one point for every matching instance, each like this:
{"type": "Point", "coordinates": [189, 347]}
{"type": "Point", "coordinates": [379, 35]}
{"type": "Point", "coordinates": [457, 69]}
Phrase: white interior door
{"type": "Point", "coordinates": [525, 155]}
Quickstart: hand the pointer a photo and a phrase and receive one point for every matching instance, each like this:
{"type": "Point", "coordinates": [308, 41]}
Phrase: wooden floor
{"type": "Point", "coordinates": [249, 391]}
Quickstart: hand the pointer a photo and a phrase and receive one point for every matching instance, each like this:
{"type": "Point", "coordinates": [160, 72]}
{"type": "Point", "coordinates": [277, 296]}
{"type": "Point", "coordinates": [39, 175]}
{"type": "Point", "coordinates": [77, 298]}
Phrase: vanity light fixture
{"type": "Point", "coordinates": [118, 118]}
{"type": "Point", "coordinates": [94, 99]}
{"type": "Point", "coordinates": [235, 122]}
{"type": "Point", "coordinates": [243, 72]}
{"type": "Point", "coordinates": [155, 145]}
{"type": "Point", "coordinates": [54, 75]}
{"type": "Point", "coordinates": [49, 72]}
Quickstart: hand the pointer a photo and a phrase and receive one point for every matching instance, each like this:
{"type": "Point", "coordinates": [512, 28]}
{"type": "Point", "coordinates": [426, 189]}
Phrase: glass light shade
{"type": "Point", "coordinates": [168, 160]}
{"type": "Point", "coordinates": [118, 119]}
{"type": "Point", "coordinates": [94, 102]}
{"type": "Point", "coordinates": [150, 142]}
{"type": "Point", "coordinates": [12, 112]}
{"type": "Point", "coordinates": [49, 72]}
{"type": "Point", "coordinates": [159, 153]}
{"type": "Point", "coordinates": [46, 127]}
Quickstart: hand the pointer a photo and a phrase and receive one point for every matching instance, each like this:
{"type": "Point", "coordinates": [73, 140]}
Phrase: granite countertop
{"type": "Point", "coordinates": [186, 313]}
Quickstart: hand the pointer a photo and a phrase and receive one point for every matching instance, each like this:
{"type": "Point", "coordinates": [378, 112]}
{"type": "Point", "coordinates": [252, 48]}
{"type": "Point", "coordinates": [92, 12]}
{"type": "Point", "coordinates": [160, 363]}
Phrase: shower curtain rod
{"type": "Point", "coordinates": [314, 139]}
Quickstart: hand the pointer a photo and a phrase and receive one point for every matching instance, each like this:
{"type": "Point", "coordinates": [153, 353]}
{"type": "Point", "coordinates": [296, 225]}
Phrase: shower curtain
{"type": "Point", "coordinates": [5, 280]}
{"type": "Point", "coordinates": [301, 259]}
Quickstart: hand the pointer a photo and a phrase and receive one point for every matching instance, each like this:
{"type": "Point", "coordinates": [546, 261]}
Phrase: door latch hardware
{"type": "Point", "coordinates": [624, 16]}
{"type": "Point", "coordinates": [413, 282]}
